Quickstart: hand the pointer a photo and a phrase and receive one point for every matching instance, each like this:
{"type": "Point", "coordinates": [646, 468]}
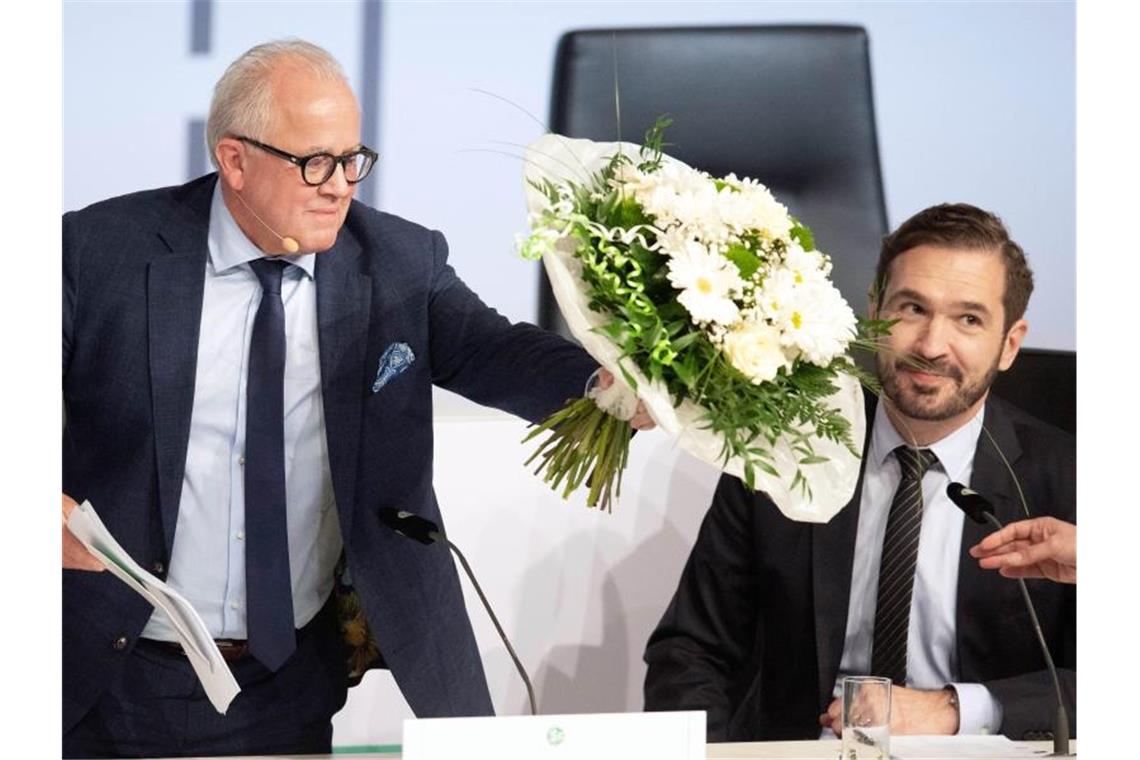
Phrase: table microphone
{"type": "Point", "coordinates": [979, 509]}
{"type": "Point", "coordinates": [289, 244]}
{"type": "Point", "coordinates": [425, 531]}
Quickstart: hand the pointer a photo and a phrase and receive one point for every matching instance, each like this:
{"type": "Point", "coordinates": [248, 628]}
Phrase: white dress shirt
{"type": "Point", "coordinates": [932, 661]}
{"type": "Point", "coordinates": [207, 564]}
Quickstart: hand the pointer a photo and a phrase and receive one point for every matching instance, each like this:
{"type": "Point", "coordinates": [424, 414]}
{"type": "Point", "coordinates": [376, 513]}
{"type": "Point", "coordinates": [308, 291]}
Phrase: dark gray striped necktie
{"type": "Point", "coordinates": [896, 569]}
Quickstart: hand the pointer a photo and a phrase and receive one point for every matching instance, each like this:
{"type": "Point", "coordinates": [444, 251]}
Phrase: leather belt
{"type": "Point", "coordinates": [232, 649]}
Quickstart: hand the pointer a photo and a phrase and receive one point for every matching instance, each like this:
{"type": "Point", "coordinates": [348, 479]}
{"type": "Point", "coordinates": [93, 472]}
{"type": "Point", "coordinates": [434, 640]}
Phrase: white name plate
{"type": "Point", "coordinates": [658, 735]}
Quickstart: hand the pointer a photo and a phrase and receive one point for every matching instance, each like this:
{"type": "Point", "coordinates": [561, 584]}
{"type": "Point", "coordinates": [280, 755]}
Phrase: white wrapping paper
{"type": "Point", "coordinates": [832, 483]}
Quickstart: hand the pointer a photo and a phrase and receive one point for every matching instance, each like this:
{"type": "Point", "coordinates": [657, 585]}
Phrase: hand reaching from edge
{"type": "Point", "coordinates": [1043, 547]}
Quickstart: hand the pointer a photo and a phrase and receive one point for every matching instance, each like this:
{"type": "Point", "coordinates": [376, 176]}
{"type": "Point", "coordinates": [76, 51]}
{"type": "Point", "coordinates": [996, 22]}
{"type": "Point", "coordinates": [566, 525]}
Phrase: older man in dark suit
{"type": "Point", "coordinates": [248, 363]}
{"type": "Point", "coordinates": [771, 614]}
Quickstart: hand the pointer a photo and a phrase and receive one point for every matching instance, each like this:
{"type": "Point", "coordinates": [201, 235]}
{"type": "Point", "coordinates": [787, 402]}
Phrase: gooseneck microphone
{"type": "Point", "coordinates": [289, 244]}
{"type": "Point", "coordinates": [425, 531]}
{"type": "Point", "coordinates": [979, 509]}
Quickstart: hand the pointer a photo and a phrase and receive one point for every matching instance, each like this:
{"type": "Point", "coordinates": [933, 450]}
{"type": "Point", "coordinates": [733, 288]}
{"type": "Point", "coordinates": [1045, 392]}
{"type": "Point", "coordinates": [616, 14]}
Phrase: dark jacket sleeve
{"type": "Point", "coordinates": [1029, 702]}
{"type": "Point", "coordinates": [478, 353]}
{"type": "Point", "coordinates": [1047, 474]}
{"type": "Point", "coordinates": [696, 656]}
{"type": "Point", "coordinates": [70, 277]}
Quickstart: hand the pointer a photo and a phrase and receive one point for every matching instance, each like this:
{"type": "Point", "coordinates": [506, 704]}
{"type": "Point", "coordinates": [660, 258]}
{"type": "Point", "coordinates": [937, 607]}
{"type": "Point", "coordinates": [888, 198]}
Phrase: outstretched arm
{"type": "Point", "coordinates": [1043, 547]}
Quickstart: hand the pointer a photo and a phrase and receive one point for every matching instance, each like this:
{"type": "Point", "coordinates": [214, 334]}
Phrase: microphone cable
{"type": "Point", "coordinates": [425, 531]}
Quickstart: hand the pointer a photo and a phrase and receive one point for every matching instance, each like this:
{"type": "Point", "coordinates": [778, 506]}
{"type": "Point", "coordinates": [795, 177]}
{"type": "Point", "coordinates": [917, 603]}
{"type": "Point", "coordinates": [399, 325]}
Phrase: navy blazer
{"type": "Point", "coordinates": [133, 275]}
{"type": "Point", "coordinates": [755, 631]}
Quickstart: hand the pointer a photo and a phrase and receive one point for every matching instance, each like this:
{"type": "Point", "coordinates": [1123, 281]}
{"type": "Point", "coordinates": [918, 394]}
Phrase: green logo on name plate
{"type": "Point", "coordinates": [555, 736]}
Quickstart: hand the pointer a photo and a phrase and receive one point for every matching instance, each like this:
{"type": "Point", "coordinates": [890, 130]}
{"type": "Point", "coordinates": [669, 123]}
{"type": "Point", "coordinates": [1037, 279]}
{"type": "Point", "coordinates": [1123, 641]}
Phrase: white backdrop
{"type": "Point", "coordinates": [577, 591]}
{"type": "Point", "coordinates": [974, 101]}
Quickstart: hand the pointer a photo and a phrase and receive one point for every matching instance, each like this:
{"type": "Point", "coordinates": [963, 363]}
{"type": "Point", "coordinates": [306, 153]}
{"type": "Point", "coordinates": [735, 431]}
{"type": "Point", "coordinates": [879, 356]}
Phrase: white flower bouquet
{"type": "Point", "coordinates": [709, 301]}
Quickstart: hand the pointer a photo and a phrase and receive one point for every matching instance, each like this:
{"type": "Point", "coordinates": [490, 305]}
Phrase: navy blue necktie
{"type": "Point", "coordinates": [269, 595]}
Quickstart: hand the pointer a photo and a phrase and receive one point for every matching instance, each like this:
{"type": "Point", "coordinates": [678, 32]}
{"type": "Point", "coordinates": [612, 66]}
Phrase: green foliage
{"type": "Point", "coordinates": [802, 235]}
{"type": "Point", "coordinates": [747, 261]}
{"type": "Point", "coordinates": [654, 144]}
{"type": "Point", "coordinates": [626, 280]}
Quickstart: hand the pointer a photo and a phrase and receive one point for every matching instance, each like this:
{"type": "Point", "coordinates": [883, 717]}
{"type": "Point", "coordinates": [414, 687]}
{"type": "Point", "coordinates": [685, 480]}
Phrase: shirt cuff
{"type": "Point", "coordinates": [978, 711]}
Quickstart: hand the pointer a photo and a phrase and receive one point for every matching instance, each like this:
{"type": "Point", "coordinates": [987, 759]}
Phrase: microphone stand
{"type": "Point", "coordinates": [495, 620]}
{"type": "Point", "coordinates": [424, 531]}
{"type": "Point", "coordinates": [1061, 719]}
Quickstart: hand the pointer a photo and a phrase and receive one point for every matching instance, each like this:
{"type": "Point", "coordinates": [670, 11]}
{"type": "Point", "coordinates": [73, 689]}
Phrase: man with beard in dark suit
{"type": "Point", "coordinates": [771, 614]}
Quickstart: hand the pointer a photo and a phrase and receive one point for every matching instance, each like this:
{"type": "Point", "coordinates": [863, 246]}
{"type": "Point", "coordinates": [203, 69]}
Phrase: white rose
{"type": "Point", "coordinates": [754, 349]}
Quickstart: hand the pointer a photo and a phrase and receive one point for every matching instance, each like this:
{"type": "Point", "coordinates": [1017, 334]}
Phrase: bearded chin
{"type": "Point", "coordinates": [921, 405]}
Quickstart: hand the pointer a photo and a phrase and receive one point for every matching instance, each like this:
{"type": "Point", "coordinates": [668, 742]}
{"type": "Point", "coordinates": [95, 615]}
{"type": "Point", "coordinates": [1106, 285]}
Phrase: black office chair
{"type": "Point", "coordinates": [1044, 383]}
{"type": "Point", "coordinates": [789, 106]}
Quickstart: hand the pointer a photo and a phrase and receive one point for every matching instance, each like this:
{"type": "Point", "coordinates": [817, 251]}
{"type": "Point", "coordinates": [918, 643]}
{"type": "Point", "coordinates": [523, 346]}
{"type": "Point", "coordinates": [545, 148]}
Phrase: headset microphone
{"type": "Point", "coordinates": [289, 244]}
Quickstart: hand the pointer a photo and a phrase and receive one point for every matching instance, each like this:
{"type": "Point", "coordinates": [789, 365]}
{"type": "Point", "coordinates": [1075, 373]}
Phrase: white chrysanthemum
{"type": "Point", "coordinates": [707, 281]}
{"type": "Point", "coordinates": [760, 210]}
{"type": "Point", "coordinates": [806, 265]}
{"type": "Point", "coordinates": [774, 297]}
{"type": "Point", "coordinates": [678, 195]}
{"type": "Point", "coordinates": [754, 349]}
{"type": "Point", "coordinates": [818, 324]}
{"type": "Point", "coordinates": [673, 242]}
{"type": "Point", "coordinates": [733, 216]}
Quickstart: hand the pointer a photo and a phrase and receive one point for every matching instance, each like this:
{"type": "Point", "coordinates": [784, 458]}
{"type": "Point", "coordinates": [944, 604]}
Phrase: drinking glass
{"type": "Point", "coordinates": [866, 718]}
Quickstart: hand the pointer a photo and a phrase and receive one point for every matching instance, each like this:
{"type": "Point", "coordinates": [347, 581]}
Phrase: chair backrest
{"type": "Point", "coordinates": [789, 106]}
{"type": "Point", "coordinates": [1043, 382]}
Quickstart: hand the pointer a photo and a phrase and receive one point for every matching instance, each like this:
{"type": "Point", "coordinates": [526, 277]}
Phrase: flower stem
{"type": "Point", "coordinates": [585, 444]}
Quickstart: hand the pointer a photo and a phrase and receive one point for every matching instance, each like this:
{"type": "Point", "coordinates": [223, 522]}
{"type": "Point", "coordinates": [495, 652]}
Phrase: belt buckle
{"type": "Point", "coordinates": [232, 649]}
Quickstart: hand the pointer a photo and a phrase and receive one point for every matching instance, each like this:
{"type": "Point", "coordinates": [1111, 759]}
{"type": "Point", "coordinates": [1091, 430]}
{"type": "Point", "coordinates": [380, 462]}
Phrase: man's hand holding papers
{"type": "Point", "coordinates": [75, 554]}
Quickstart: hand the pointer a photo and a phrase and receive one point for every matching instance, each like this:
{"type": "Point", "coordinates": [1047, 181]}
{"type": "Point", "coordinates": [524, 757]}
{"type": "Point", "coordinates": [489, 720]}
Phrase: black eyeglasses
{"type": "Point", "coordinates": [316, 168]}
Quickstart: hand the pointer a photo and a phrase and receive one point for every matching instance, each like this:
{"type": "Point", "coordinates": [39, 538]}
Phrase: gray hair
{"type": "Point", "coordinates": [243, 100]}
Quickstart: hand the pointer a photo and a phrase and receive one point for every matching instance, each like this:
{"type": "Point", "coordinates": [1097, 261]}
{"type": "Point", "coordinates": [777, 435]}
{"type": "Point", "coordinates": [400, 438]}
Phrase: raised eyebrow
{"type": "Point", "coordinates": [906, 294]}
{"type": "Point", "coordinates": [973, 306]}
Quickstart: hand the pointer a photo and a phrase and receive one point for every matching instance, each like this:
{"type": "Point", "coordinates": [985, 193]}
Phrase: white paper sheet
{"type": "Point", "coordinates": [195, 639]}
{"type": "Point", "coordinates": [959, 748]}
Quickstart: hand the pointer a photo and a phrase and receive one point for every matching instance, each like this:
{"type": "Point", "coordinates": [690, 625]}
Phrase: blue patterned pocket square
{"type": "Point", "coordinates": [395, 359]}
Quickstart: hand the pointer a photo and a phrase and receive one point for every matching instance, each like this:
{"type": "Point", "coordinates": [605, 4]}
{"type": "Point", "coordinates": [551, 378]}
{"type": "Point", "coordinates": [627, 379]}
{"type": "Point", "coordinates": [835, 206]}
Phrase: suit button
{"type": "Point", "coordinates": [120, 643]}
{"type": "Point", "coordinates": [158, 568]}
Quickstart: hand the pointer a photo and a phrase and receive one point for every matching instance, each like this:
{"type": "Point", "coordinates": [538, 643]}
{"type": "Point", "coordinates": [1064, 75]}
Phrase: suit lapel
{"type": "Point", "coordinates": [833, 554]}
{"type": "Point", "coordinates": [343, 307]}
{"type": "Point", "coordinates": [977, 588]}
{"type": "Point", "coordinates": [175, 281]}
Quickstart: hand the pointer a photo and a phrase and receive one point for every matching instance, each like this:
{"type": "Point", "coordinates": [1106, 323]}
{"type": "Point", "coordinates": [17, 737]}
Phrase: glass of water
{"type": "Point", "coordinates": [866, 718]}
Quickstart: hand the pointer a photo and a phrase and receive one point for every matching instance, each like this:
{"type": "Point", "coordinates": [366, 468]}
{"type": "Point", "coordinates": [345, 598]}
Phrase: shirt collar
{"type": "Point", "coordinates": [955, 452]}
{"type": "Point", "coordinates": [229, 246]}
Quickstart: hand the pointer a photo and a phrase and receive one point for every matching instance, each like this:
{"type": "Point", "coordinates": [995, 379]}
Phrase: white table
{"type": "Point", "coordinates": [802, 750]}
